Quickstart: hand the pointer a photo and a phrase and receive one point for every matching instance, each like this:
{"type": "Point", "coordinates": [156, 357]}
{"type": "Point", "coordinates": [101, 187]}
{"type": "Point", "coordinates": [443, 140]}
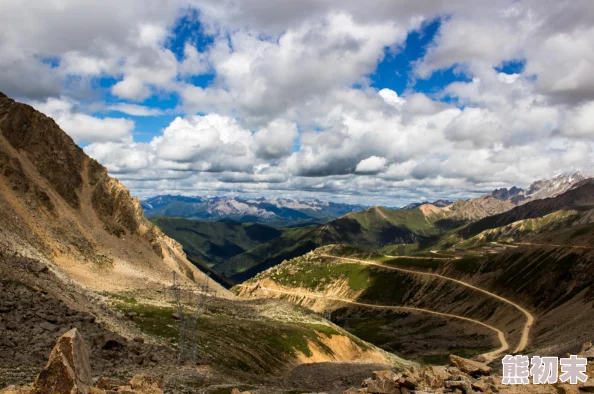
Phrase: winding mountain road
{"type": "Point", "coordinates": [529, 317]}
{"type": "Point", "coordinates": [488, 356]}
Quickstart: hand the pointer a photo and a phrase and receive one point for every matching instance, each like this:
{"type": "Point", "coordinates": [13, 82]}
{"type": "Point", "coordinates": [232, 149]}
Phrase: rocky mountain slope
{"type": "Point", "coordinates": [546, 188]}
{"type": "Point", "coordinates": [277, 212]}
{"type": "Point", "coordinates": [580, 198]}
{"type": "Point", "coordinates": [437, 203]}
{"type": "Point", "coordinates": [59, 205]}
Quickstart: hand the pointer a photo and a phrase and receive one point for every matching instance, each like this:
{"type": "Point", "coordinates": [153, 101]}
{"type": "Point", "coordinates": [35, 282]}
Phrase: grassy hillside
{"type": "Point", "coordinates": [415, 335]}
{"type": "Point", "coordinates": [209, 243]}
{"type": "Point", "coordinates": [252, 338]}
{"type": "Point", "coordinates": [370, 230]}
{"type": "Point", "coordinates": [555, 283]}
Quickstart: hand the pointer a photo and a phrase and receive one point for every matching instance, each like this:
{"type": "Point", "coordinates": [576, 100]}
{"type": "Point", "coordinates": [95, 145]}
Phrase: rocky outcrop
{"type": "Point", "coordinates": [471, 367]}
{"type": "Point", "coordinates": [432, 379]}
{"type": "Point", "coordinates": [48, 148]}
{"type": "Point", "coordinates": [68, 370]}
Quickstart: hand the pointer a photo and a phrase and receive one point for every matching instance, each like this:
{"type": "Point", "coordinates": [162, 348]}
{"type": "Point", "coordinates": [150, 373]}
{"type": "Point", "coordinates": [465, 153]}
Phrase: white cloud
{"type": "Point", "coordinates": [478, 126]}
{"type": "Point", "coordinates": [84, 128]}
{"type": "Point", "coordinates": [262, 79]}
{"type": "Point", "coordinates": [134, 109]}
{"type": "Point", "coordinates": [206, 143]}
{"type": "Point", "coordinates": [131, 88]}
{"type": "Point", "coordinates": [276, 139]}
{"type": "Point", "coordinates": [391, 97]}
{"type": "Point", "coordinates": [371, 165]}
{"type": "Point", "coordinates": [579, 122]}
{"type": "Point", "coordinates": [281, 114]}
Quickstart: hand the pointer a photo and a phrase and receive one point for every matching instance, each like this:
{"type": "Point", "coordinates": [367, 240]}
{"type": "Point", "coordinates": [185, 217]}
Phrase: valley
{"type": "Point", "coordinates": [343, 293]}
{"type": "Point", "coordinates": [296, 197]}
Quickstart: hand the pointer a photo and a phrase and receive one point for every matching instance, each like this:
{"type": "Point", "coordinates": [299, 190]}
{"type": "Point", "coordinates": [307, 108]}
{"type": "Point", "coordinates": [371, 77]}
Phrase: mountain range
{"type": "Point", "coordinates": [277, 212]}
{"type": "Point", "coordinates": [324, 298]}
{"type": "Point", "coordinates": [381, 229]}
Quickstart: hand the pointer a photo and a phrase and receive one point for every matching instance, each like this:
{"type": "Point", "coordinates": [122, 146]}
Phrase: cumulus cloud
{"type": "Point", "coordinates": [84, 128]}
{"type": "Point", "coordinates": [276, 139]}
{"type": "Point", "coordinates": [371, 165]}
{"type": "Point", "coordinates": [291, 108]}
{"type": "Point", "coordinates": [262, 79]}
{"type": "Point", "coordinates": [579, 122]}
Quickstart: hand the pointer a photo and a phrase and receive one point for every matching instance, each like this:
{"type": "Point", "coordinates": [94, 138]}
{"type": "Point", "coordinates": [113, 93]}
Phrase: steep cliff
{"type": "Point", "coordinates": [58, 204]}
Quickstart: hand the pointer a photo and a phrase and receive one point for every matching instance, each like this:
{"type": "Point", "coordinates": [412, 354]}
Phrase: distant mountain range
{"type": "Point", "coordinates": [438, 203]}
{"type": "Point", "coordinates": [278, 212]}
{"type": "Point", "coordinates": [538, 190]}
{"type": "Point", "coordinates": [231, 252]}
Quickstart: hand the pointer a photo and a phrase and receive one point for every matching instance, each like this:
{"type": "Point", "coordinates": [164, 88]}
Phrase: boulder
{"type": "Point", "coordinates": [380, 387]}
{"type": "Point", "coordinates": [462, 385]}
{"type": "Point", "coordinates": [112, 342]}
{"type": "Point", "coordinates": [37, 267]}
{"type": "Point", "coordinates": [473, 368]}
{"type": "Point", "coordinates": [408, 382]}
{"type": "Point", "coordinates": [147, 384]}
{"type": "Point", "coordinates": [435, 376]}
{"type": "Point", "coordinates": [386, 375]}
{"type": "Point", "coordinates": [68, 370]}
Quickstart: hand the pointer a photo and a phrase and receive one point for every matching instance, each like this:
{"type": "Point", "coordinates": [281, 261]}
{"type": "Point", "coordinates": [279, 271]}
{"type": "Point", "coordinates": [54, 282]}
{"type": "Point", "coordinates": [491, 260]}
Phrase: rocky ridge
{"type": "Point", "coordinates": [60, 206]}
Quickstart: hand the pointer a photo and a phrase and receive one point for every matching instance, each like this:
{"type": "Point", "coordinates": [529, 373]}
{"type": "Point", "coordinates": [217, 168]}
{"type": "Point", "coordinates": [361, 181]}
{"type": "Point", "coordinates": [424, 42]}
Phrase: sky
{"type": "Point", "coordinates": [375, 102]}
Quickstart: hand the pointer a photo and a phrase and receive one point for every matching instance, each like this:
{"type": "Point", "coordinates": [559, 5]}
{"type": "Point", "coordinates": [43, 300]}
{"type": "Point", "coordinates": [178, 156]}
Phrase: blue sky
{"type": "Point", "coordinates": [383, 102]}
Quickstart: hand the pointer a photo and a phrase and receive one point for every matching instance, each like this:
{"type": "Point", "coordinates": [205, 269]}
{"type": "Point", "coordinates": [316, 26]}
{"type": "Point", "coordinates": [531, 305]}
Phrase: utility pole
{"type": "Point", "coordinates": [190, 301]}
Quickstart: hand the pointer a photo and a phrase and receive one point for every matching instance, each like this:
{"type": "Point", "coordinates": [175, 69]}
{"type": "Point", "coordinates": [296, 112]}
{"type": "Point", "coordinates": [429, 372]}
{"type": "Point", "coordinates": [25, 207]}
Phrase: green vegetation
{"type": "Point", "coordinates": [516, 230]}
{"type": "Point", "coordinates": [232, 343]}
{"type": "Point", "coordinates": [214, 242]}
{"type": "Point", "coordinates": [399, 249]}
{"type": "Point", "coordinates": [423, 263]}
{"type": "Point", "coordinates": [375, 229]}
{"type": "Point", "coordinates": [370, 330]}
{"type": "Point", "coordinates": [316, 276]}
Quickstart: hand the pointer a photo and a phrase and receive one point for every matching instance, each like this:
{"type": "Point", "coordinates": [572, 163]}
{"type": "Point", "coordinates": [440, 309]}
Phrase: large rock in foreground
{"type": "Point", "coordinates": [68, 370]}
{"type": "Point", "coordinates": [471, 367]}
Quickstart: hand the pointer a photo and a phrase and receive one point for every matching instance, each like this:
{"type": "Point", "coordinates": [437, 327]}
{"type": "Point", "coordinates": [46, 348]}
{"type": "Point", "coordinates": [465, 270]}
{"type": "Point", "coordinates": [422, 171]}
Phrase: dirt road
{"type": "Point", "coordinates": [488, 356]}
{"type": "Point", "coordinates": [555, 245]}
{"type": "Point", "coordinates": [529, 317]}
